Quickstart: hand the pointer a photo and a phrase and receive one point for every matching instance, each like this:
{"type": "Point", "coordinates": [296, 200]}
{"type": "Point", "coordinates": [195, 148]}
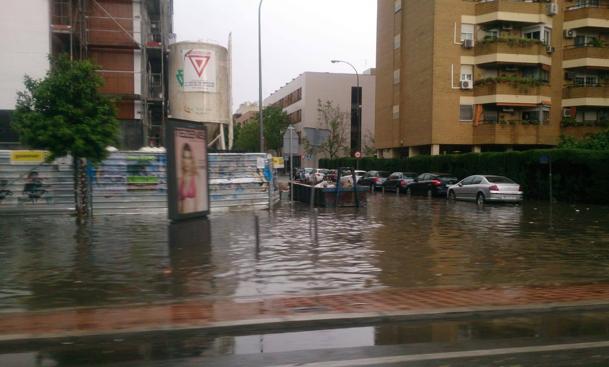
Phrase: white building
{"type": "Point", "coordinates": [26, 45]}
{"type": "Point", "coordinates": [299, 99]}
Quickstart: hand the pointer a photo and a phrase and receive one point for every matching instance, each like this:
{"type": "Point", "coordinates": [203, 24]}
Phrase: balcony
{"type": "Point", "coordinates": [512, 10]}
{"type": "Point", "coordinates": [515, 133]}
{"type": "Point", "coordinates": [580, 57]}
{"type": "Point", "coordinates": [512, 50]}
{"type": "Point", "coordinates": [600, 91]}
{"type": "Point", "coordinates": [512, 90]}
{"type": "Point", "coordinates": [588, 16]}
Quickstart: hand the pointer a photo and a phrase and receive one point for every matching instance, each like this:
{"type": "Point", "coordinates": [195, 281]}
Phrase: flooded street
{"type": "Point", "coordinates": [400, 242]}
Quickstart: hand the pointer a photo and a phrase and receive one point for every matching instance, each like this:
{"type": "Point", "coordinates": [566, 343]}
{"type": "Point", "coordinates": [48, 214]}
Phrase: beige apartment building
{"type": "Point", "coordinates": [489, 75]}
{"type": "Point", "coordinates": [299, 99]}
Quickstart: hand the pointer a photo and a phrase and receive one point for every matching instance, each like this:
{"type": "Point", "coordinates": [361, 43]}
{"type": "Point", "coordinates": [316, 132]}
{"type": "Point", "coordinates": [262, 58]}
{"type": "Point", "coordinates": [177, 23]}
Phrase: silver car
{"type": "Point", "coordinates": [485, 188]}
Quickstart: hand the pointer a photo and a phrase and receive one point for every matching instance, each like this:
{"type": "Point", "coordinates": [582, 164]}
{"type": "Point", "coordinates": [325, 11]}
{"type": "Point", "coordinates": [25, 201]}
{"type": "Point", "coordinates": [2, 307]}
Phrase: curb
{"type": "Point", "coordinates": [298, 323]}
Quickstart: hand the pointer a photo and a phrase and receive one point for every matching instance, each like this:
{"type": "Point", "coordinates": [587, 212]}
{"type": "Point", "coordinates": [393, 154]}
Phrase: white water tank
{"type": "Point", "coordinates": [199, 87]}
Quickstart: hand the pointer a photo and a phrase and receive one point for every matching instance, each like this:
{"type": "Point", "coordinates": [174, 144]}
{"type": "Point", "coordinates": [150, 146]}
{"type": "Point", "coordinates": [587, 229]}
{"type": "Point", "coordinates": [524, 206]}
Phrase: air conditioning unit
{"type": "Point", "coordinates": [550, 49]}
{"type": "Point", "coordinates": [570, 33]}
{"type": "Point", "coordinates": [468, 43]}
{"type": "Point", "coordinates": [467, 84]}
{"type": "Point", "coordinates": [552, 8]}
{"type": "Point", "coordinates": [507, 109]}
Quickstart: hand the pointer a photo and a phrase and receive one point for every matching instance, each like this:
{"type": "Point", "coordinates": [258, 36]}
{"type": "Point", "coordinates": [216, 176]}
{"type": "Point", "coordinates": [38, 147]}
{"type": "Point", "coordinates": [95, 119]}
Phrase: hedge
{"type": "Point", "coordinates": [577, 175]}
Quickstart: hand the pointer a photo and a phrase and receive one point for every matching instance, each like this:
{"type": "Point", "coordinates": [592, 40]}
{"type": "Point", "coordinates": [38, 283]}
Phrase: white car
{"type": "Point", "coordinates": [359, 174]}
{"type": "Point", "coordinates": [483, 188]}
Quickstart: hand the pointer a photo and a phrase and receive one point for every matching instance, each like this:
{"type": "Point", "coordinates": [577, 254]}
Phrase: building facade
{"type": "Point", "coordinates": [489, 75]}
{"type": "Point", "coordinates": [300, 100]}
{"type": "Point", "coordinates": [127, 39]}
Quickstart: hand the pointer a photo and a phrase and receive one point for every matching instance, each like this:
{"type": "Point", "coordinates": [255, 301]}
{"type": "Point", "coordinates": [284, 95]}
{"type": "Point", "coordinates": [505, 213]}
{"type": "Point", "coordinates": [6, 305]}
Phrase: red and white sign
{"type": "Point", "coordinates": [199, 70]}
{"type": "Point", "coordinates": [358, 154]}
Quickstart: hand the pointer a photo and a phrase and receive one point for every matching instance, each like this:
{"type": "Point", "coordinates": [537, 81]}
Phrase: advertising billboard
{"type": "Point", "coordinates": [187, 171]}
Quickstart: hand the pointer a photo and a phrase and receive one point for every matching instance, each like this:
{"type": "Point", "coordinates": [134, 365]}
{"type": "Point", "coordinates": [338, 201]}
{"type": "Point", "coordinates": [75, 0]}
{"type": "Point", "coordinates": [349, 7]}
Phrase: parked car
{"type": "Point", "coordinates": [398, 181]}
{"type": "Point", "coordinates": [431, 184]}
{"type": "Point", "coordinates": [374, 179]}
{"type": "Point", "coordinates": [359, 174]}
{"type": "Point", "coordinates": [483, 188]}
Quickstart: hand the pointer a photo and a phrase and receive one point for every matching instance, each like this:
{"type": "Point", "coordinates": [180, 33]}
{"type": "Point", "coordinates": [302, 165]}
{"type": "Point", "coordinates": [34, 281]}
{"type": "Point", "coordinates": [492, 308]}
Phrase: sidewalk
{"type": "Point", "coordinates": [282, 313]}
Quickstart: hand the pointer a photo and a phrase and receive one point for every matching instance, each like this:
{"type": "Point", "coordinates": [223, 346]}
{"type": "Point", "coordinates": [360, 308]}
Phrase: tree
{"type": "Point", "coordinates": [369, 149]}
{"type": "Point", "coordinates": [599, 141]}
{"type": "Point", "coordinates": [275, 124]}
{"type": "Point", "coordinates": [65, 114]}
{"type": "Point", "coordinates": [331, 120]}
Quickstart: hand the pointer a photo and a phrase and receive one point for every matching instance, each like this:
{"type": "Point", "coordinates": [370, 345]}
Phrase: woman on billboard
{"type": "Point", "coordinates": [188, 181]}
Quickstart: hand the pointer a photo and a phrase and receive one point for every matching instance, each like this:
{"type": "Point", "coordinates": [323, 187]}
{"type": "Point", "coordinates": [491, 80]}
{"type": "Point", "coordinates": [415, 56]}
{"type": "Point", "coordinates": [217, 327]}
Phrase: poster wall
{"type": "Point", "coordinates": [188, 173]}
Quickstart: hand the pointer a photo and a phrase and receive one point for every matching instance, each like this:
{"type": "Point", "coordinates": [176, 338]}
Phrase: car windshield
{"type": "Point", "coordinates": [499, 179]}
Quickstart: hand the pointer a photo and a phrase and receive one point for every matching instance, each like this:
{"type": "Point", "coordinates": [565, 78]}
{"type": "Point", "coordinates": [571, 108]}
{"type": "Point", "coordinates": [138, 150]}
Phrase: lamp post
{"type": "Point", "coordinates": [291, 129]}
{"type": "Point", "coordinates": [260, 118]}
{"type": "Point", "coordinates": [358, 138]}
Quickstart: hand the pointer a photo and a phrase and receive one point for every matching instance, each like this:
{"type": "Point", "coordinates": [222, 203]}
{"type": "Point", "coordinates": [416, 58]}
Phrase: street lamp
{"type": "Point", "coordinates": [291, 130]}
{"type": "Point", "coordinates": [260, 78]}
{"type": "Point", "coordinates": [356, 141]}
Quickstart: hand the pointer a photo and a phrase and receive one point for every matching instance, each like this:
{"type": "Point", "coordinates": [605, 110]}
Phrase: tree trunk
{"type": "Point", "coordinates": [80, 188]}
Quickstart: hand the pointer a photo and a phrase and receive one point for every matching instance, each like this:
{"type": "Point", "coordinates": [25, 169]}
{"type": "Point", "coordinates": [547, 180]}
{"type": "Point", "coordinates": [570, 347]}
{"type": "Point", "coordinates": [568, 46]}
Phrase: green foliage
{"type": "Point", "coordinates": [247, 137]}
{"type": "Point", "coordinates": [578, 175]}
{"type": "Point", "coordinates": [515, 81]}
{"type": "Point", "coordinates": [276, 122]}
{"type": "Point", "coordinates": [598, 141]}
{"type": "Point", "coordinates": [511, 41]}
{"type": "Point", "coordinates": [64, 113]}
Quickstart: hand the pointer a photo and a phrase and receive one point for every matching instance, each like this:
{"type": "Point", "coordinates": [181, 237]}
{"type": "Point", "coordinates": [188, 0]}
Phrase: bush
{"type": "Point", "coordinates": [578, 175]}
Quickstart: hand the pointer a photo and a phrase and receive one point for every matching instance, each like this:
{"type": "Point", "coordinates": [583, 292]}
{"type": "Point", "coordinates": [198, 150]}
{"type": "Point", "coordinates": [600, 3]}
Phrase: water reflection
{"type": "Point", "coordinates": [48, 262]}
{"type": "Point", "coordinates": [414, 337]}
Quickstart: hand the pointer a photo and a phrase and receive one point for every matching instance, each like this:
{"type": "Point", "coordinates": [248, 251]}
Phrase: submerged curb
{"type": "Point", "coordinates": [282, 324]}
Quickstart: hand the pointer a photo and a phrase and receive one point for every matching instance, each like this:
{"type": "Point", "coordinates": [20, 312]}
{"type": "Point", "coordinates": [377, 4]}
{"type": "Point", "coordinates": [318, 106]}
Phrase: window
{"type": "Point", "coordinates": [491, 115]}
{"type": "Point", "coordinates": [541, 33]}
{"type": "Point", "coordinates": [585, 40]}
{"type": "Point", "coordinates": [468, 180]}
{"type": "Point", "coordinates": [396, 112]}
{"type": "Point", "coordinates": [467, 73]}
{"type": "Point", "coordinates": [466, 112]}
{"type": "Point", "coordinates": [532, 115]}
{"type": "Point", "coordinates": [396, 76]}
{"type": "Point", "coordinates": [586, 80]}
{"type": "Point", "coordinates": [467, 32]}
{"type": "Point", "coordinates": [477, 180]}
{"type": "Point", "coordinates": [492, 34]}
{"type": "Point", "coordinates": [586, 3]}
{"type": "Point", "coordinates": [397, 5]}
{"type": "Point", "coordinates": [536, 73]}
{"type": "Point", "coordinates": [396, 41]}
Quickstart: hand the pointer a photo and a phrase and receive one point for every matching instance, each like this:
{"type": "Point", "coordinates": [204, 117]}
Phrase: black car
{"type": "Point", "coordinates": [398, 181]}
{"type": "Point", "coordinates": [374, 179]}
{"type": "Point", "coordinates": [431, 184]}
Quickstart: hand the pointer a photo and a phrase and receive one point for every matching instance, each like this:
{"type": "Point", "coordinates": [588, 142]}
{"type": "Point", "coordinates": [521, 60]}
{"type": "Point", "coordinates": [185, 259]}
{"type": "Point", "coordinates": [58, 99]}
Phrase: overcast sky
{"type": "Point", "coordinates": [297, 36]}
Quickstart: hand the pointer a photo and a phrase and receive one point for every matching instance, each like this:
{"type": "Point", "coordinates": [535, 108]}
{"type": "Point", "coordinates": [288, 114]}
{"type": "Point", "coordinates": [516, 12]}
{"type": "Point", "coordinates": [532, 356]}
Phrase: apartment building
{"type": "Point", "coordinates": [299, 99]}
{"type": "Point", "coordinates": [489, 75]}
{"type": "Point", "coordinates": [128, 39]}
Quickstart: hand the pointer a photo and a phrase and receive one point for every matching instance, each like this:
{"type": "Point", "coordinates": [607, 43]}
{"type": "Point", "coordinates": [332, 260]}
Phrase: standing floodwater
{"type": "Point", "coordinates": [48, 262]}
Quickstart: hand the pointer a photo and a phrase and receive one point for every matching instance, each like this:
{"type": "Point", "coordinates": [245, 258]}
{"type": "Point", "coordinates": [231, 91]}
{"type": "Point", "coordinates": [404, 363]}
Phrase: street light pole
{"type": "Point", "coordinates": [260, 118]}
{"type": "Point", "coordinates": [291, 128]}
{"type": "Point", "coordinates": [358, 144]}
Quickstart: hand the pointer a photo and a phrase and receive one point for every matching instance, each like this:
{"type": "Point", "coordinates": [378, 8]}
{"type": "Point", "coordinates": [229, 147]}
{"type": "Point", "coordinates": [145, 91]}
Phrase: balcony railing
{"type": "Point", "coordinates": [514, 132]}
{"type": "Point", "coordinates": [600, 90]}
{"type": "Point", "coordinates": [516, 46]}
{"type": "Point", "coordinates": [588, 52]}
{"type": "Point", "coordinates": [571, 122]}
{"type": "Point", "coordinates": [512, 6]}
{"type": "Point", "coordinates": [578, 13]}
{"type": "Point", "coordinates": [512, 86]}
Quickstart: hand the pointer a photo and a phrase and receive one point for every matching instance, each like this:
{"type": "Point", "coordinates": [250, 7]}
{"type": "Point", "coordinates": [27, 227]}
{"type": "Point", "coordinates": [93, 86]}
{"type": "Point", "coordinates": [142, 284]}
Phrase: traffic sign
{"type": "Point", "coordinates": [358, 154]}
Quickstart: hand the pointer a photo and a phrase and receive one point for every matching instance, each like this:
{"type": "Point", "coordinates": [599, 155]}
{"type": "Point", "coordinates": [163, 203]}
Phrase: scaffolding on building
{"type": "Point", "coordinates": [108, 31]}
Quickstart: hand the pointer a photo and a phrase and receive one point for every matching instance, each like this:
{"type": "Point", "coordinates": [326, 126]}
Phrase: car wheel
{"type": "Point", "coordinates": [452, 196]}
{"type": "Point", "coordinates": [480, 199]}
